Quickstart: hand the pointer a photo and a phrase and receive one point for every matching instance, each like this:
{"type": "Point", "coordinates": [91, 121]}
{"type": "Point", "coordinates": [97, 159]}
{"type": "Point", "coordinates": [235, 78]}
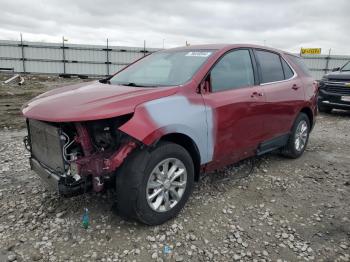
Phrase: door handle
{"type": "Point", "coordinates": [295, 87]}
{"type": "Point", "coordinates": [256, 94]}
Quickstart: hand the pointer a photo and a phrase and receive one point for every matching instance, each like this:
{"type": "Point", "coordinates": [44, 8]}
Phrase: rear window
{"type": "Point", "coordinates": [300, 63]}
{"type": "Point", "coordinates": [271, 67]}
{"type": "Point", "coordinates": [288, 72]}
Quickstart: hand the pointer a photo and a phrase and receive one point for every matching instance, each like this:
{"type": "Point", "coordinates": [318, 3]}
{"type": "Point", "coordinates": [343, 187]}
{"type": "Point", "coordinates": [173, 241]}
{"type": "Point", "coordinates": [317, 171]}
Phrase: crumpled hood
{"type": "Point", "coordinates": [90, 101]}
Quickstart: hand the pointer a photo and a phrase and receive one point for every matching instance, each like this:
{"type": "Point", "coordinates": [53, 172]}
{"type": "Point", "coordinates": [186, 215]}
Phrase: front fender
{"type": "Point", "coordinates": [174, 114]}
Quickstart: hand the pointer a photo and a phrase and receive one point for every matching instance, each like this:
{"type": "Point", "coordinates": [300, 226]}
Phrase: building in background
{"type": "Point", "coordinates": [322, 64]}
{"type": "Point", "coordinates": [74, 59]}
{"type": "Point", "coordinates": [99, 60]}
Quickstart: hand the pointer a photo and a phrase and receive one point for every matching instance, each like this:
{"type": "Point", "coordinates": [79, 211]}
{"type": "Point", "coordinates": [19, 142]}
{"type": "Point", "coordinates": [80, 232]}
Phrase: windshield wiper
{"type": "Point", "coordinates": [135, 85]}
{"type": "Point", "coordinates": [130, 84]}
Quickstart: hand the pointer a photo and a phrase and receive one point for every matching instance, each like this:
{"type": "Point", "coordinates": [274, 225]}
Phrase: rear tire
{"type": "Point", "coordinates": [299, 137]}
{"type": "Point", "coordinates": [147, 172]}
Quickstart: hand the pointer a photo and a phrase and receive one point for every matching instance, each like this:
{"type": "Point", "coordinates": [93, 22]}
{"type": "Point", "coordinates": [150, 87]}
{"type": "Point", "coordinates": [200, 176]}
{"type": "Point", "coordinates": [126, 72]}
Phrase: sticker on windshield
{"type": "Point", "coordinates": [201, 54]}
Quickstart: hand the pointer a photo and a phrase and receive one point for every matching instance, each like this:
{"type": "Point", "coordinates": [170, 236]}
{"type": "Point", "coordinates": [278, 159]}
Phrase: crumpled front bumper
{"type": "Point", "coordinates": [57, 183]}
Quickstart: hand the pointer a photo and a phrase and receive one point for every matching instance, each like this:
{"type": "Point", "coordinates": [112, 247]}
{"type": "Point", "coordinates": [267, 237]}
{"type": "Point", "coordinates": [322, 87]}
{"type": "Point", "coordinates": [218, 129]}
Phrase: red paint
{"type": "Point", "coordinates": [239, 121]}
{"type": "Point", "coordinates": [84, 139]}
{"type": "Point", "coordinates": [141, 125]}
{"type": "Point", "coordinates": [92, 165]}
{"type": "Point", "coordinates": [118, 157]}
{"type": "Point", "coordinates": [99, 164]}
{"type": "Point", "coordinates": [90, 101]}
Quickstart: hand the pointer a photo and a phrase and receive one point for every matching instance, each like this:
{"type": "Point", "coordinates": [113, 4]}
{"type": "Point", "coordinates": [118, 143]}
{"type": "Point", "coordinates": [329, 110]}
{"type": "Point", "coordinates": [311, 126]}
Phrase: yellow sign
{"type": "Point", "coordinates": [310, 51]}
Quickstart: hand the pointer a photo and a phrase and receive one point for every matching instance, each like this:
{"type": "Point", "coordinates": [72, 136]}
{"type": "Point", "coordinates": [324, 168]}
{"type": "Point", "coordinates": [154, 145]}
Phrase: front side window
{"type": "Point", "coordinates": [234, 70]}
{"type": "Point", "coordinates": [270, 66]}
{"type": "Point", "coordinates": [165, 68]}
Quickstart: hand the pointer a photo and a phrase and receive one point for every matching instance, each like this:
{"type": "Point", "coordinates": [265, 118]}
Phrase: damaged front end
{"type": "Point", "coordinates": [75, 157]}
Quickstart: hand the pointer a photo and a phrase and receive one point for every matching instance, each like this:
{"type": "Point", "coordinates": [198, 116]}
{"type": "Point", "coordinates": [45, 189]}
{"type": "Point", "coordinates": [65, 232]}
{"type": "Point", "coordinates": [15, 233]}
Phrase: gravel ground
{"type": "Point", "coordinates": [284, 210]}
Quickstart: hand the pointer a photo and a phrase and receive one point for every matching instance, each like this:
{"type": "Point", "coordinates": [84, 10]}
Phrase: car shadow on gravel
{"type": "Point", "coordinates": [103, 204]}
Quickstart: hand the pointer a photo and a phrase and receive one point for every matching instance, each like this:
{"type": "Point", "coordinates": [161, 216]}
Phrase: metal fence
{"type": "Point", "coordinates": [322, 64]}
{"type": "Point", "coordinates": [99, 60]}
{"type": "Point", "coordinates": [53, 58]}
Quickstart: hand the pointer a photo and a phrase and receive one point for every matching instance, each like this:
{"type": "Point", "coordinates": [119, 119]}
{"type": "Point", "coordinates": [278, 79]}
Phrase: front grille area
{"type": "Point", "coordinates": [46, 145]}
{"type": "Point", "coordinates": [339, 80]}
{"type": "Point", "coordinates": [337, 88]}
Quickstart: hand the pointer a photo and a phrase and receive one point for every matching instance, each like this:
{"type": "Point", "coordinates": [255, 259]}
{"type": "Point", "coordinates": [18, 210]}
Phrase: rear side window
{"type": "Point", "coordinates": [288, 72]}
{"type": "Point", "coordinates": [300, 63]}
{"type": "Point", "coordinates": [234, 70]}
{"type": "Point", "coordinates": [270, 65]}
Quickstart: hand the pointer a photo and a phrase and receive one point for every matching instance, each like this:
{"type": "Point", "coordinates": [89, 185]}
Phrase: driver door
{"type": "Point", "coordinates": [234, 99]}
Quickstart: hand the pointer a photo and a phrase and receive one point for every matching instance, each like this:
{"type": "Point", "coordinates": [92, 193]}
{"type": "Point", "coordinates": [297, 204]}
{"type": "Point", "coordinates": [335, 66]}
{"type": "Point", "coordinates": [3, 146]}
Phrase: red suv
{"type": "Point", "coordinates": [154, 126]}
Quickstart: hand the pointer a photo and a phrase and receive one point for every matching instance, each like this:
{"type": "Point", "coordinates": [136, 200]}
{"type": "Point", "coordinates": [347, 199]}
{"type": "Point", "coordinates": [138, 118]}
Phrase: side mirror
{"type": "Point", "coordinates": [335, 69]}
{"type": "Point", "coordinates": [105, 80]}
{"type": "Point", "coordinates": [204, 86]}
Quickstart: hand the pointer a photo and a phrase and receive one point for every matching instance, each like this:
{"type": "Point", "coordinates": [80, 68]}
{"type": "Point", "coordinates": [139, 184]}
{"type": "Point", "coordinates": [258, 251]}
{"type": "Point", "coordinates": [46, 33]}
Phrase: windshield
{"type": "Point", "coordinates": [165, 68]}
{"type": "Point", "coordinates": [346, 67]}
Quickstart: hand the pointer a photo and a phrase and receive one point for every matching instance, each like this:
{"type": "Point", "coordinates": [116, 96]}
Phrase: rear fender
{"type": "Point", "coordinates": [174, 114]}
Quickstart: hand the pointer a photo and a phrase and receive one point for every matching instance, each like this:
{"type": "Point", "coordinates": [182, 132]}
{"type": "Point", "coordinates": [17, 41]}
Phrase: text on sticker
{"type": "Point", "coordinates": [202, 54]}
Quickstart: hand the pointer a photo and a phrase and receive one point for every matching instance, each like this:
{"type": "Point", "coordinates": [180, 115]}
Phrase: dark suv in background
{"type": "Point", "coordinates": [335, 90]}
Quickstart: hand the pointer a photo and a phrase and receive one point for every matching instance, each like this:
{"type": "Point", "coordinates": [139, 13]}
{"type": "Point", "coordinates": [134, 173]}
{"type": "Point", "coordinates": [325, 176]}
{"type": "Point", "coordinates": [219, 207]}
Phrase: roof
{"type": "Point", "coordinates": [225, 46]}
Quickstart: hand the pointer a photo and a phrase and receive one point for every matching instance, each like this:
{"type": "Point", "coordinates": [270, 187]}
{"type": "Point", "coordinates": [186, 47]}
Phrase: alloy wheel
{"type": "Point", "coordinates": [166, 184]}
{"type": "Point", "coordinates": [301, 135]}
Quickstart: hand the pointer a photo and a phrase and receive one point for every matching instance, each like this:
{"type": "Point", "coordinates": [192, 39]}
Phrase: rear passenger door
{"type": "Point", "coordinates": [282, 90]}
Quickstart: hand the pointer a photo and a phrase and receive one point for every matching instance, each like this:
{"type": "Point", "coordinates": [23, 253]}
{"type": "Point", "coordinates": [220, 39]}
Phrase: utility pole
{"type": "Point", "coordinates": [22, 49]}
{"type": "Point", "coordinates": [107, 54]}
{"type": "Point", "coordinates": [327, 60]}
{"type": "Point", "coordinates": [63, 55]}
{"type": "Point", "coordinates": [144, 47]}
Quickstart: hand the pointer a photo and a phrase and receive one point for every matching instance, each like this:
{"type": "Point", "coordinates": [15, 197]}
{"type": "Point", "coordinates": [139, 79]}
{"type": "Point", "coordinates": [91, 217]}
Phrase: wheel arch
{"type": "Point", "coordinates": [191, 147]}
{"type": "Point", "coordinates": [307, 111]}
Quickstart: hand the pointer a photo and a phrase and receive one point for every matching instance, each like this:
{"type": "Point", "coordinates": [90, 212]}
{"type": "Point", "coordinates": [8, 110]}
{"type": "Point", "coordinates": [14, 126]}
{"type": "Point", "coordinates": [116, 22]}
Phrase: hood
{"type": "Point", "coordinates": [90, 101]}
{"type": "Point", "coordinates": [338, 75]}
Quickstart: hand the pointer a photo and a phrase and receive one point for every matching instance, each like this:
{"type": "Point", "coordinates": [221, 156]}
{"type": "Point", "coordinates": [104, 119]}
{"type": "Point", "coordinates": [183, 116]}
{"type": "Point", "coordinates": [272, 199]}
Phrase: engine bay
{"type": "Point", "coordinates": [81, 155]}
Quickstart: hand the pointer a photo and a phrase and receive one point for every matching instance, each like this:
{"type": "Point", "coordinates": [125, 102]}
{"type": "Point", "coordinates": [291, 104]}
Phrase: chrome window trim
{"type": "Point", "coordinates": [284, 80]}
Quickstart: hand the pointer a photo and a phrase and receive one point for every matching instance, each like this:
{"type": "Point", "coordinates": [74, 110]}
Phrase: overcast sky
{"type": "Point", "coordinates": [287, 25]}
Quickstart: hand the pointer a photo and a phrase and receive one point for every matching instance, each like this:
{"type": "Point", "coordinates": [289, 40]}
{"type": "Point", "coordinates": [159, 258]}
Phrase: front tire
{"type": "Point", "coordinates": [299, 137]}
{"type": "Point", "coordinates": [153, 185]}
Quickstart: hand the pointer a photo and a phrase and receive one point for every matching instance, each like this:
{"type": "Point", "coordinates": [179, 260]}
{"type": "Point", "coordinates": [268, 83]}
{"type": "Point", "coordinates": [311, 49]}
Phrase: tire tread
{"type": "Point", "coordinates": [130, 178]}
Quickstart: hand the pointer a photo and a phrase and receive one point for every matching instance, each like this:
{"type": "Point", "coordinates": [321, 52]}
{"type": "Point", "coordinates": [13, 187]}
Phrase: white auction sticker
{"type": "Point", "coordinates": [201, 54]}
